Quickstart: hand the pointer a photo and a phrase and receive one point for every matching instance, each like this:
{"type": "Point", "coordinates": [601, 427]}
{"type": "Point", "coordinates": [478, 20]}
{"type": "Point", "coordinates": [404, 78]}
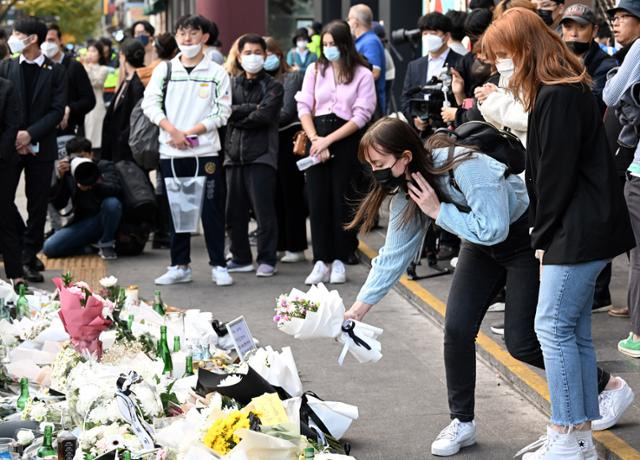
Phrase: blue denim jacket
{"type": "Point", "coordinates": [496, 201]}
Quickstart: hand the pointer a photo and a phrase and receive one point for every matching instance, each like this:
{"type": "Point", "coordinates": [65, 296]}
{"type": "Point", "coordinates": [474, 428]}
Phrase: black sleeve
{"type": "Point", "coordinates": [10, 119]}
{"type": "Point", "coordinates": [289, 112]}
{"type": "Point", "coordinates": [600, 79]}
{"type": "Point", "coordinates": [268, 110]}
{"type": "Point", "coordinates": [241, 111]}
{"type": "Point", "coordinates": [61, 191]}
{"type": "Point", "coordinates": [405, 97]}
{"type": "Point", "coordinates": [79, 79]}
{"type": "Point", "coordinates": [50, 120]}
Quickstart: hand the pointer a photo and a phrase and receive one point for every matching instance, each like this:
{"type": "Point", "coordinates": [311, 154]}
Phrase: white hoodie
{"type": "Point", "coordinates": [203, 96]}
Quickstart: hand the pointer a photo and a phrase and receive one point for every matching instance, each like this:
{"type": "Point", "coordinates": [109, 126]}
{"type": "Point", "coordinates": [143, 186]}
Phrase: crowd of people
{"type": "Point", "coordinates": [223, 138]}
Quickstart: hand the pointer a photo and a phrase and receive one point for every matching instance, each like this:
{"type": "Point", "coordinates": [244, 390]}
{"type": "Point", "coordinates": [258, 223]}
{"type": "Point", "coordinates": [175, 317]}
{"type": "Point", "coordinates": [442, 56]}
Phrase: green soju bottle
{"type": "Point", "coordinates": [130, 322]}
{"type": "Point", "coordinates": [158, 306]}
{"type": "Point", "coordinates": [23, 304]}
{"type": "Point", "coordinates": [188, 365]}
{"type": "Point", "coordinates": [126, 455]}
{"type": "Point", "coordinates": [24, 393]}
{"type": "Point", "coordinates": [165, 353]}
{"type": "Point", "coordinates": [47, 451]}
{"type": "Point", "coordinates": [176, 344]}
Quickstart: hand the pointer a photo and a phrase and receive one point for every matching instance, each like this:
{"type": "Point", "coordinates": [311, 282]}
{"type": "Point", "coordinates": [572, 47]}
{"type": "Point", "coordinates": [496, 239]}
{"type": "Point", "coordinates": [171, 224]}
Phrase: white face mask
{"type": "Point", "coordinates": [505, 67]}
{"type": "Point", "coordinates": [252, 63]}
{"type": "Point", "coordinates": [49, 49]}
{"type": "Point", "coordinates": [302, 44]}
{"type": "Point", "coordinates": [16, 45]}
{"type": "Point", "coordinates": [190, 51]}
{"type": "Point", "coordinates": [431, 43]}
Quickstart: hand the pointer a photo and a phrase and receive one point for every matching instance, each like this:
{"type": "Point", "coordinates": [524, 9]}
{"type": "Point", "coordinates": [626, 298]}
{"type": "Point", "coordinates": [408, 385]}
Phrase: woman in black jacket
{"type": "Point", "coordinates": [577, 213]}
{"type": "Point", "coordinates": [115, 129]}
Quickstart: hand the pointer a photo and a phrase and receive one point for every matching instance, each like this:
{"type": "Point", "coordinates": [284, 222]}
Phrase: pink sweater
{"type": "Point", "coordinates": [355, 102]}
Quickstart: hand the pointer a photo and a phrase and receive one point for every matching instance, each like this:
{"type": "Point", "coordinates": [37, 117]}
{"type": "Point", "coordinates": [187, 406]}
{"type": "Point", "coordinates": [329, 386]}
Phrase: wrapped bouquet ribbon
{"type": "Point", "coordinates": [320, 313]}
{"type": "Point", "coordinates": [131, 412]}
{"type": "Point", "coordinates": [81, 315]}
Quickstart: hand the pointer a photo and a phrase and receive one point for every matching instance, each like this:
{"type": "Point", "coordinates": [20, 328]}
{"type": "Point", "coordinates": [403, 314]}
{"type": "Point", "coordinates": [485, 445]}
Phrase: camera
{"type": "Point", "coordinates": [84, 171]}
{"type": "Point", "coordinates": [400, 36]}
{"type": "Point", "coordinates": [427, 101]}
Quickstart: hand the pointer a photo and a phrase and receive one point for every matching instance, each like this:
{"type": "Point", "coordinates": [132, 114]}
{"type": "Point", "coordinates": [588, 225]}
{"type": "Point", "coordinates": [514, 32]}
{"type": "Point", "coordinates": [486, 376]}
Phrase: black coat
{"type": "Point", "coordinates": [80, 97]}
{"type": "Point", "coordinates": [598, 63]}
{"type": "Point", "coordinates": [9, 122]}
{"type": "Point", "coordinates": [46, 106]}
{"type": "Point", "coordinates": [116, 125]}
{"type": "Point", "coordinates": [577, 211]}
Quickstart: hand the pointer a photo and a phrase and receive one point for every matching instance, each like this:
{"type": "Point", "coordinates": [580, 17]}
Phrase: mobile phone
{"type": "Point", "coordinates": [193, 140]}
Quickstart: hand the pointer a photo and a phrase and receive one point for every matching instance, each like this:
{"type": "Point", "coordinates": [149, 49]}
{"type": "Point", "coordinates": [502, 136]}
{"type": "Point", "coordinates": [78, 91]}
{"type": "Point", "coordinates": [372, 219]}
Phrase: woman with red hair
{"type": "Point", "coordinates": [577, 213]}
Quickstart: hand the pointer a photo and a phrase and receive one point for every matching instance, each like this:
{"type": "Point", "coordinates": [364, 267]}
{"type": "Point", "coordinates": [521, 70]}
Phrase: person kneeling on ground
{"type": "Point", "coordinates": [94, 190]}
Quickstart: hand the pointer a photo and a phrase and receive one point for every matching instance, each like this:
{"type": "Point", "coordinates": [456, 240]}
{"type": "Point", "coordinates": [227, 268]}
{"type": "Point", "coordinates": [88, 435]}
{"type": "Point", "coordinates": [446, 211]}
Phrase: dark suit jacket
{"type": "Point", "coordinates": [47, 104]}
{"type": "Point", "coordinates": [417, 76]}
{"type": "Point", "coordinates": [116, 125]}
{"type": "Point", "coordinates": [9, 121]}
{"type": "Point", "coordinates": [80, 97]}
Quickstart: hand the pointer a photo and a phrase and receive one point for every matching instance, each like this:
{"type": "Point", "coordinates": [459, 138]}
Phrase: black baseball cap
{"type": "Point", "coordinates": [582, 14]}
{"type": "Point", "coordinates": [630, 6]}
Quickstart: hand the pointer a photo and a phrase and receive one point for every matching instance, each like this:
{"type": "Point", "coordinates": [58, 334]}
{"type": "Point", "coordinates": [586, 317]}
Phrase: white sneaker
{"type": "Point", "coordinates": [454, 437]}
{"type": "Point", "coordinates": [587, 447]}
{"type": "Point", "coordinates": [319, 274]}
{"type": "Point", "coordinates": [174, 275]}
{"type": "Point", "coordinates": [293, 257]}
{"type": "Point", "coordinates": [554, 446]}
{"type": "Point", "coordinates": [338, 272]}
{"type": "Point", "coordinates": [220, 276]}
{"type": "Point", "coordinates": [498, 306]}
{"type": "Point", "coordinates": [613, 403]}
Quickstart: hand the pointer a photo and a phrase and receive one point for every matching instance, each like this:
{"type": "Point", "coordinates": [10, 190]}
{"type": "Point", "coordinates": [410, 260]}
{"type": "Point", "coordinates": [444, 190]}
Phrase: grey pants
{"type": "Point", "coordinates": [632, 195]}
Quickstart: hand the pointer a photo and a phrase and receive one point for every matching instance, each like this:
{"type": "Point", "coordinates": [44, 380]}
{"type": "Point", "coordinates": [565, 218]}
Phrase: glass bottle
{"type": "Point", "coordinates": [309, 453]}
{"type": "Point", "coordinates": [47, 451]}
{"type": "Point", "coordinates": [130, 322]}
{"type": "Point", "coordinates": [188, 365]}
{"type": "Point", "coordinates": [4, 311]}
{"type": "Point", "coordinates": [165, 353]}
{"type": "Point", "coordinates": [158, 306]}
{"type": "Point", "coordinates": [126, 455]}
{"type": "Point", "coordinates": [24, 393]}
{"type": "Point", "coordinates": [23, 304]}
{"type": "Point", "coordinates": [176, 344]}
{"type": "Point", "coordinates": [67, 445]}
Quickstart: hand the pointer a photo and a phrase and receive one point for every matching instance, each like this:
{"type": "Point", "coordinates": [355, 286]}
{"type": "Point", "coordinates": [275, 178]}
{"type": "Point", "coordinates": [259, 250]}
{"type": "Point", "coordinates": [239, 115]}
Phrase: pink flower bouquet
{"type": "Point", "coordinates": [81, 315]}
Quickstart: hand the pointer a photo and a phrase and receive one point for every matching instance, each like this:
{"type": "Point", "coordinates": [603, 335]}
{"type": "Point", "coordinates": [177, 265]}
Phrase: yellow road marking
{"type": "Point", "coordinates": [613, 443]}
{"type": "Point", "coordinates": [89, 268]}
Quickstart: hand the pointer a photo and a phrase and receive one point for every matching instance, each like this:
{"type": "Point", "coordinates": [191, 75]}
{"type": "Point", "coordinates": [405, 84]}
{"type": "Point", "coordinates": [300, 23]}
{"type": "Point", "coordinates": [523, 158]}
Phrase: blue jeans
{"type": "Point", "coordinates": [100, 228]}
{"type": "Point", "coordinates": [563, 326]}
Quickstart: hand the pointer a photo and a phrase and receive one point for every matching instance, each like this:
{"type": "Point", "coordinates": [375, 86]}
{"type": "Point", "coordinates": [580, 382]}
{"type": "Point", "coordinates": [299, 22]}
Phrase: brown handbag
{"type": "Point", "coordinates": [300, 138]}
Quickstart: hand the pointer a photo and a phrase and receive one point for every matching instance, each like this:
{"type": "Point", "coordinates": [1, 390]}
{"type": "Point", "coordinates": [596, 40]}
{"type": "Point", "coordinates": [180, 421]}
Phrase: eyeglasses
{"type": "Point", "coordinates": [621, 18]}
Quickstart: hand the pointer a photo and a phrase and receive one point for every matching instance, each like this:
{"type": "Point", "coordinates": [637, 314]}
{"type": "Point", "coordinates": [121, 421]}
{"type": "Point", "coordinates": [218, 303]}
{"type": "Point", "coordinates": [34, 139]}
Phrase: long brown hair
{"type": "Point", "coordinates": [390, 136]}
{"type": "Point", "coordinates": [505, 5]}
{"type": "Point", "coordinates": [539, 54]}
{"type": "Point", "coordinates": [349, 57]}
{"type": "Point", "coordinates": [274, 47]}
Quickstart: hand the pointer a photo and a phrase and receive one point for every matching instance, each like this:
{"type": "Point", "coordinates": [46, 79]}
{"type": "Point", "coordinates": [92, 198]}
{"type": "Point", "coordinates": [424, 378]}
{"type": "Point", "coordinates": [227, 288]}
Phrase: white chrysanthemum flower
{"type": "Point", "coordinates": [108, 282]}
{"type": "Point", "coordinates": [25, 437]}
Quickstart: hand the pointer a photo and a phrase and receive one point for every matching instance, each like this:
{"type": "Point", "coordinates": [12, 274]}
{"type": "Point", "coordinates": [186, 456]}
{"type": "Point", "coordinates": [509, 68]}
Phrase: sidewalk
{"type": "Point", "coordinates": [429, 296]}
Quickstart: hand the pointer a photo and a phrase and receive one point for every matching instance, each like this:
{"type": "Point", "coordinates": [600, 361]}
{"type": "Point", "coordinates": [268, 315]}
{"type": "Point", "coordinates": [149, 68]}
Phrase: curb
{"type": "Point", "coordinates": [531, 385]}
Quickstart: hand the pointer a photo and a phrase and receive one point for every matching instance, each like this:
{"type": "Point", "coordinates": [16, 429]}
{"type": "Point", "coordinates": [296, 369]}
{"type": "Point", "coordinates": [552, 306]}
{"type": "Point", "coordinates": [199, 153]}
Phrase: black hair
{"type": "Point", "coordinates": [251, 38]}
{"type": "Point", "coordinates": [166, 46]}
{"type": "Point", "coordinates": [78, 145]}
{"type": "Point", "coordinates": [457, 24]}
{"type": "Point", "coordinates": [434, 21]}
{"type": "Point", "coordinates": [97, 44]}
{"type": "Point", "coordinates": [147, 27]}
{"type": "Point", "coordinates": [300, 33]}
{"type": "Point", "coordinates": [604, 31]}
{"type": "Point", "coordinates": [55, 27]}
{"type": "Point", "coordinates": [477, 22]}
{"type": "Point", "coordinates": [107, 45]}
{"type": "Point", "coordinates": [193, 21]}
{"type": "Point", "coordinates": [32, 26]}
{"type": "Point", "coordinates": [214, 33]}
{"type": "Point", "coordinates": [316, 27]}
{"type": "Point", "coordinates": [349, 57]}
{"type": "Point", "coordinates": [4, 51]}
{"type": "Point", "coordinates": [3, 34]}
{"type": "Point", "coordinates": [133, 51]}
{"type": "Point", "coordinates": [484, 4]}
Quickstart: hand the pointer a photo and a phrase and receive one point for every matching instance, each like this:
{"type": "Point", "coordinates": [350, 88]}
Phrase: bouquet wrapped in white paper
{"type": "Point", "coordinates": [277, 368]}
{"type": "Point", "coordinates": [320, 313]}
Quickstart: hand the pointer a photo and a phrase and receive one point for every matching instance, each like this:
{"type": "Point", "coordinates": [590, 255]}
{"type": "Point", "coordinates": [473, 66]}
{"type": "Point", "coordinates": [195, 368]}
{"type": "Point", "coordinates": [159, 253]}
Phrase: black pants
{"type": "Point", "coordinates": [291, 205]}
{"type": "Point", "coordinates": [252, 187]}
{"type": "Point", "coordinates": [212, 209]}
{"type": "Point", "coordinates": [37, 184]}
{"type": "Point", "coordinates": [602, 295]}
{"type": "Point", "coordinates": [480, 273]}
{"type": "Point", "coordinates": [11, 226]}
{"type": "Point", "coordinates": [331, 195]}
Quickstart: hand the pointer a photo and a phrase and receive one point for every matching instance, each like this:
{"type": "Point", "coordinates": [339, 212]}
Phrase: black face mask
{"type": "Point", "coordinates": [480, 71]}
{"type": "Point", "coordinates": [579, 48]}
{"type": "Point", "coordinates": [546, 15]}
{"type": "Point", "coordinates": [386, 179]}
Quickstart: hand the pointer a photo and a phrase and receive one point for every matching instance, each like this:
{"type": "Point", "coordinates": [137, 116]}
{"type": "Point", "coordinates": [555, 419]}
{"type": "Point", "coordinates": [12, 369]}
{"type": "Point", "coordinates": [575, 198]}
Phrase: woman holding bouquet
{"type": "Point", "coordinates": [467, 194]}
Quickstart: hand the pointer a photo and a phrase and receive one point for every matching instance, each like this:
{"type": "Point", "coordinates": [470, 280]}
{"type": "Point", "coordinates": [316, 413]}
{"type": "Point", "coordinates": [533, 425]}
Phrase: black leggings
{"type": "Point", "coordinates": [481, 272]}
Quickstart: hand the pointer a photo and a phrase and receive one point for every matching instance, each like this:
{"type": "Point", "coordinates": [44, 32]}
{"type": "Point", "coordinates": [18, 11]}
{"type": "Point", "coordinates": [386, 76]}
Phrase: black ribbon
{"type": "Point", "coordinates": [348, 327]}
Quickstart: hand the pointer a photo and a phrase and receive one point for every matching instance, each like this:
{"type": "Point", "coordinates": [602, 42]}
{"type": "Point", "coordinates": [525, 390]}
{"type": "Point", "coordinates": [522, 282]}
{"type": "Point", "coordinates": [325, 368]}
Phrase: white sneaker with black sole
{"type": "Point", "coordinates": [220, 276]}
{"type": "Point", "coordinates": [454, 437]}
{"type": "Point", "coordinates": [613, 403]}
{"type": "Point", "coordinates": [174, 275]}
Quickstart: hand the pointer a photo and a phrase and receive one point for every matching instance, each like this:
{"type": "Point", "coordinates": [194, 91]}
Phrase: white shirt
{"type": "Point", "coordinates": [436, 64]}
{"type": "Point", "coordinates": [39, 60]}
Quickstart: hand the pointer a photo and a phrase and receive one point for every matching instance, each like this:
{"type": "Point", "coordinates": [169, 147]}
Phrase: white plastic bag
{"type": "Point", "coordinates": [185, 195]}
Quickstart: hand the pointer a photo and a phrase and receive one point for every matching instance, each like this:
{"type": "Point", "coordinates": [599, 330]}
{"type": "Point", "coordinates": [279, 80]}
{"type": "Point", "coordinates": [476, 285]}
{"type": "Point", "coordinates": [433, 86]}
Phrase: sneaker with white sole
{"type": "Point", "coordinates": [454, 437]}
{"type": "Point", "coordinates": [553, 446]}
{"type": "Point", "coordinates": [234, 267]}
{"type": "Point", "coordinates": [587, 447]}
{"type": "Point", "coordinates": [319, 274]}
{"type": "Point", "coordinates": [338, 273]}
{"type": "Point", "coordinates": [497, 328]}
{"type": "Point", "coordinates": [613, 403]}
{"type": "Point", "coordinates": [293, 257]}
{"type": "Point", "coordinates": [174, 275]}
{"type": "Point", "coordinates": [220, 276]}
{"type": "Point", "coordinates": [266, 270]}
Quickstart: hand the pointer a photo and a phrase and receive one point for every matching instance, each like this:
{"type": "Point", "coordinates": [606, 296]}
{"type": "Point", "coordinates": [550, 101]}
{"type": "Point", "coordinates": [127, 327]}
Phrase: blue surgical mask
{"type": "Point", "coordinates": [332, 53]}
{"type": "Point", "coordinates": [144, 39]}
{"type": "Point", "coordinates": [271, 63]}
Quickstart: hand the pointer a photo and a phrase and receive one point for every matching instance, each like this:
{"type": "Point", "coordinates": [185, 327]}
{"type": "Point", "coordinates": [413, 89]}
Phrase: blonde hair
{"type": "Point", "coordinates": [231, 64]}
